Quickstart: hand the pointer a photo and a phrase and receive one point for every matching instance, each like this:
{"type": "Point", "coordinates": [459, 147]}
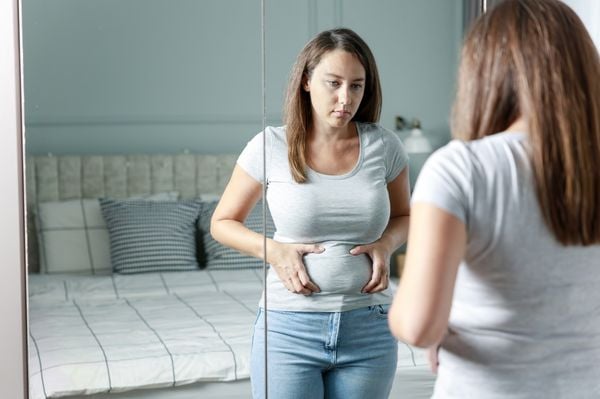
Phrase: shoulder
{"type": "Point", "coordinates": [491, 158]}
{"type": "Point", "coordinates": [374, 128]}
{"type": "Point", "coordinates": [488, 152]}
{"type": "Point", "coordinates": [381, 144]}
{"type": "Point", "coordinates": [453, 160]}
{"type": "Point", "coordinates": [270, 142]}
{"type": "Point", "coordinates": [453, 150]}
{"type": "Point", "coordinates": [374, 132]}
{"type": "Point", "coordinates": [271, 135]}
{"type": "Point", "coordinates": [445, 180]}
{"type": "Point", "coordinates": [277, 132]}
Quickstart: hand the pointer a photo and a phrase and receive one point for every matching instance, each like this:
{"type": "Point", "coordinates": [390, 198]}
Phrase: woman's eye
{"type": "Point", "coordinates": [333, 83]}
{"type": "Point", "coordinates": [356, 86]}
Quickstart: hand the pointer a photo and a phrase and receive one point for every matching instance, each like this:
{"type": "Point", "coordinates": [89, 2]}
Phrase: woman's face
{"type": "Point", "coordinates": [336, 88]}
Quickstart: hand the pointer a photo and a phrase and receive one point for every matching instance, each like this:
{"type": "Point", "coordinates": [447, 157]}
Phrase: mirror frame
{"type": "Point", "coordinates": [13, 289]}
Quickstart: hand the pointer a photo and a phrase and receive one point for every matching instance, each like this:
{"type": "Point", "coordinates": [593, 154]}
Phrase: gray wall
{"type": "Point", "coordinates": [158, 76]}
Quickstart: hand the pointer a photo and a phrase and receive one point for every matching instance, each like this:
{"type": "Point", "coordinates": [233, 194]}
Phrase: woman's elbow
{"type": "Point", "coordinates": [214, 228]}
{"type": "Point", "coordinates": [420, 340]}
{"type": "Point", "coordinates": [414, 332]}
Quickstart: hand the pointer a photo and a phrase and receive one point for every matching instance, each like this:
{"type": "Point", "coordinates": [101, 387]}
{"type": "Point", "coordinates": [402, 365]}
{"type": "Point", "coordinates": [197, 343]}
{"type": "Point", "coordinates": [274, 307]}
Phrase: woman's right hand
{"type": "Point", "coordinates": [286, 259]}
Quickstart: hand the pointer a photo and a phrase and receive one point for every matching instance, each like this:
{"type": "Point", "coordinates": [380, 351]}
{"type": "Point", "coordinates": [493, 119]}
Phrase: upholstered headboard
{"type": "Point", "coordinates": [56, 178]}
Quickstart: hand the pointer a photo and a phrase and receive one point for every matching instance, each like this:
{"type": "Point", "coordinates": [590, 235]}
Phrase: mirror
{"type": "Point", "coordinates": [139, 103]}
{"type": "Point", "coordinates": [137, 99]}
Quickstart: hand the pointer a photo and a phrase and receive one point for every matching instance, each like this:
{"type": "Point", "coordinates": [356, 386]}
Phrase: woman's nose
{"type": "Point", "coordinates": [344, 97]}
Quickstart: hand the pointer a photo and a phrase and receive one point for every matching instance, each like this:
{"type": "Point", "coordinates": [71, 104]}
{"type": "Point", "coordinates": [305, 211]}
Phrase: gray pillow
{"type": "Point", "coordinates": [151, 236]}
{"type": "Point", "coordinates": [218, 256]}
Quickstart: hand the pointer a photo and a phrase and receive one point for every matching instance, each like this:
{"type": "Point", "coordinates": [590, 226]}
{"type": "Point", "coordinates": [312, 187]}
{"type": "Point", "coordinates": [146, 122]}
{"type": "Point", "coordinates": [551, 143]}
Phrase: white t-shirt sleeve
{"type": "Point", "coordinates": [395, 155]}
{"type": "Point", "coordinates": [445, 180]}
{"type": "Point", "coordinates": [251, 158]}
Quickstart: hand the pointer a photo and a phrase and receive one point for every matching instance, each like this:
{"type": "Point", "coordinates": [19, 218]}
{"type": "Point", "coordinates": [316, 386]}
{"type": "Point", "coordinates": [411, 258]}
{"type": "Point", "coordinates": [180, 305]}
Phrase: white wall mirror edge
{"type": "Point", "coordinates": [12, 285]}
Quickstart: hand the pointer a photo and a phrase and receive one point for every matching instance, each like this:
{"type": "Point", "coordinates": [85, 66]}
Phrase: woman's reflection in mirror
{"type": "Point", "coordinates": [338, 194]}
{"type": "Point", "coordinates": [501, 271]}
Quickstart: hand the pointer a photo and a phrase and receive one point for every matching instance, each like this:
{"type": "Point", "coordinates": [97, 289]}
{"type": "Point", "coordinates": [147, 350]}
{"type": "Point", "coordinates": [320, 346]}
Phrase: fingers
{"type": "Point", "coordinates": [297, 280]}
{"type": "Point", "coordinates": [311, 249]}
{"type": "Point", "coordinates": [294, 285]}
{"type": "Point", "coordinates": [313, 287]}
{"type": "Point", "coordinates": [306, 282]}
{"type": "Point", "coordinates": [356, 250]}
{"type": "Point", "coordinates": [298, 287]}
{"type": "Point", "coordinates": [287, 262]}
{"type": "Point", "coordinates": [379, 280]}
{"type": "Point", "coordinates": [359, 249]}
{"type": "Point", "coordinates": [374, 286]}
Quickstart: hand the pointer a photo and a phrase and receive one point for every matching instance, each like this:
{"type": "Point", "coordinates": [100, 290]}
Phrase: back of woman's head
{"type": "Point", "coordinates": [534, 59]}
{"type": "Point", "coordinates": [297, 111]}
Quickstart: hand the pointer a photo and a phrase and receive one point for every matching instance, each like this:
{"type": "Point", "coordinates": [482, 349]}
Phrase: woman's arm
{"type": "Point", "coordinates": [436, 245]}
{"type": "Point", "coordinates": [227, 222]}
{"type": "Point", "coordinates": [393, 236]}
{"type": "Point", "coordinates": [227, 227]}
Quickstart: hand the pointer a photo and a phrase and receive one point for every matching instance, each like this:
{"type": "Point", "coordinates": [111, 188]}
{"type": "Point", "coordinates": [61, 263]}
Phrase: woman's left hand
{"type": "Point", "coordinates": [380, 257]}
{"type": "Point", "coordinates": [432, 358]}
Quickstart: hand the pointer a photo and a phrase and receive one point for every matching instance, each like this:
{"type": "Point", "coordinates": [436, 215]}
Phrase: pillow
{"type": "Point", "coordinates": [209, 197]}
{"type": "Point", "coordinates": [72, 235]}
{"type": "Point", "coordinates": [151, 236]}
{"type": "Point", "coordinates": [218, 256]}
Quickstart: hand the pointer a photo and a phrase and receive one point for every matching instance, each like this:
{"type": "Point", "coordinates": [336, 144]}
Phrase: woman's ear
{"type": "Point", "coordinates": [305, 83]}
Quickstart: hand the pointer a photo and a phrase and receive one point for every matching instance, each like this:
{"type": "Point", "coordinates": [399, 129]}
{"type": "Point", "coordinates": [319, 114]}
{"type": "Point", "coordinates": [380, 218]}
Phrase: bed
{"type": "Point", "coordinates": [149, 333]}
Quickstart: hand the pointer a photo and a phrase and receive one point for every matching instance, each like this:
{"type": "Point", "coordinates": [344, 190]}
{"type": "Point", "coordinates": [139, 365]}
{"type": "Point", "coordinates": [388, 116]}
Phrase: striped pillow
{"type": "Point", "coordinates": [151, 236]}
{"type": "Point", "coordinates": [218, 256]}
{"type": "Point", "coordinates": [72, 235]}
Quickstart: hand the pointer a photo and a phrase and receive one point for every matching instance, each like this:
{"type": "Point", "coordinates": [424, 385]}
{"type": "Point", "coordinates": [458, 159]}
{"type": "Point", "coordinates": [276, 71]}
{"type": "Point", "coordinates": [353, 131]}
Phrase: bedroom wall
{"type": "Point", "coordinates": [146, 76]}
{"type": "Point", "coordinates": [416, 45]}
{"type": "Point", "coordinates": [589, 12]}
{"type": "Point", "coordinates": [116, 76]}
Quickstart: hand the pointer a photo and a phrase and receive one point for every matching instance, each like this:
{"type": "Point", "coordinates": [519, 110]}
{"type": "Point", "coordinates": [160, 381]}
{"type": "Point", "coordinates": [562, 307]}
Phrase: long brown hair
{"type": "Point", "coordinates": [535, 59]}
{"type": "Point", "coordinates": [297, 109]}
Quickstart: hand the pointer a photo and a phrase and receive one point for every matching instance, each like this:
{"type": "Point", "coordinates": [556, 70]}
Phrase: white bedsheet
{"type": "Point", "coordinates": [93, 334]}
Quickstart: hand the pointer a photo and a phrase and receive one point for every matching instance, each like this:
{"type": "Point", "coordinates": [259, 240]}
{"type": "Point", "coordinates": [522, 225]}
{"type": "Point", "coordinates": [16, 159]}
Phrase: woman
{"type": "Point", "coordinates": [337, 189]}
{"type": "Point", "coordinates": [503, 262]}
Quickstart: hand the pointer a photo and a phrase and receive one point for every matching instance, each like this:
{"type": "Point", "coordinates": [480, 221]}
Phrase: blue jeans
{"type": "Point", "coordinates": [313, 355]}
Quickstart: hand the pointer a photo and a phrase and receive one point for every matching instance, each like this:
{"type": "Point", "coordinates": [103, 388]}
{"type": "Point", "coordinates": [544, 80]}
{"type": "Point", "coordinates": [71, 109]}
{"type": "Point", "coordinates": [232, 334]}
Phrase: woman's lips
{"type": "Point", "coordinates": [341, 113]}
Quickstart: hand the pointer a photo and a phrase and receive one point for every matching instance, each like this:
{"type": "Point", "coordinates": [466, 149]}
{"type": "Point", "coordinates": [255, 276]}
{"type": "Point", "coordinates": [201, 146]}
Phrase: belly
{"type": "Point", "coordinates": [336, 271]}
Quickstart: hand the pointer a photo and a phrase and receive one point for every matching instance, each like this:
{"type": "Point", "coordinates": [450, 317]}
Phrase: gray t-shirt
{"type": "Point", "coordinates": [525, 318]}
{"type": "Point", "coordinates": [336, 211]}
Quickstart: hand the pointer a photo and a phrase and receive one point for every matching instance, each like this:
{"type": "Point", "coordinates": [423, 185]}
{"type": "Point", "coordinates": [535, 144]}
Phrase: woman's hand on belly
{"type": "Point", "coordinates": [286, 259]}
{"type": "Point", "coordinates": [380, 274]}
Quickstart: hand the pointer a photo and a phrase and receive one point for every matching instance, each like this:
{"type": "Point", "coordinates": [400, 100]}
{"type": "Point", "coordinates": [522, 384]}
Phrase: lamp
{"type": "Point", "coordinates": [416, 145]}
{"type": "Point", "coordinates": [416, 142]}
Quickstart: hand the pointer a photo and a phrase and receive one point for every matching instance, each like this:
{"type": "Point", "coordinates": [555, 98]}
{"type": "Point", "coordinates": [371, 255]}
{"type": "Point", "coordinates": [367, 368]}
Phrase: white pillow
{"type": "Point", "coordinates": [73, 236]}
{"type": "Point", "coordinates": [209, 197]}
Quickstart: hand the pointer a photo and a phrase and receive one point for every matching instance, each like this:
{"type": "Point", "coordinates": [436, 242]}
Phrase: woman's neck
{"type": "Point", "coordinates": [329, 134]}
{"type": "Point", "coordinates": [520, 125]}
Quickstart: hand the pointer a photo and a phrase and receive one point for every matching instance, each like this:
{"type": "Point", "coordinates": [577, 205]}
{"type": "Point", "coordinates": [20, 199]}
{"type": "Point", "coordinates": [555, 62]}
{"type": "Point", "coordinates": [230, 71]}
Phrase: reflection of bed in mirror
{"type": "Point", "coordinates": [152, 330]}
{"type": "Point", "coordinates": [94, 331]}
